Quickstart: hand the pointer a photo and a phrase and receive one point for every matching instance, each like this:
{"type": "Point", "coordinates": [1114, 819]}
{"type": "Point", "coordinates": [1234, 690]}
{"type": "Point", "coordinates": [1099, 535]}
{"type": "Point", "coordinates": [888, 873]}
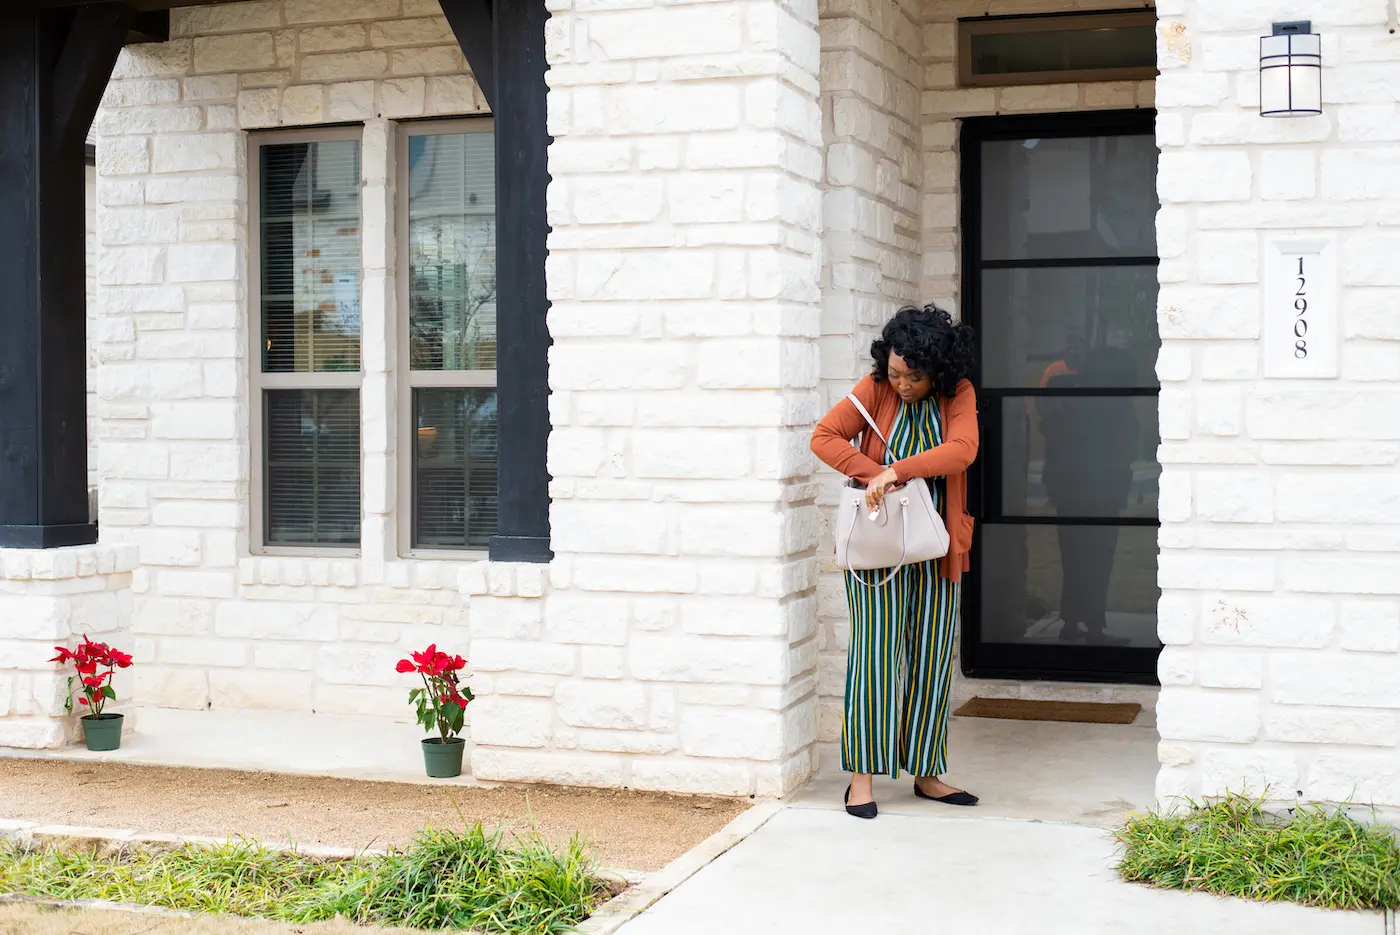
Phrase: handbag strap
{"type": "Point", "coordinates": [868, 419]}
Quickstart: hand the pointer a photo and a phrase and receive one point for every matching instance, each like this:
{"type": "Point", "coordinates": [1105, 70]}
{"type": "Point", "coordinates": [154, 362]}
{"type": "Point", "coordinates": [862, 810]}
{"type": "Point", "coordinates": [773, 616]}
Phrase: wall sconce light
{"type": "Point", "coordinates": [1290, 71]}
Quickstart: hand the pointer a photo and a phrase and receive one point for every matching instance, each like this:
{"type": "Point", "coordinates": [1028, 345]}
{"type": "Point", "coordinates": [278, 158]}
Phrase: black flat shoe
{"type": "Point", "coordinates": [868, 810]}
{"type": "Point", "coordinates": [952, 798]}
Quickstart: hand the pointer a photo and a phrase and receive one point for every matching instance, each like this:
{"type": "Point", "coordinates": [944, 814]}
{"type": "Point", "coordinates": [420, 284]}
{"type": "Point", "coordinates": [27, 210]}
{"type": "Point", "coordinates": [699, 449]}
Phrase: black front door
{"type": "Point", "coordinates": [1060, 280]}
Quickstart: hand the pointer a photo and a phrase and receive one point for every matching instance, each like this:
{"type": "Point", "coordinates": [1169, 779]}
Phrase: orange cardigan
{"type": "Point", "coordinates": [831, 442]}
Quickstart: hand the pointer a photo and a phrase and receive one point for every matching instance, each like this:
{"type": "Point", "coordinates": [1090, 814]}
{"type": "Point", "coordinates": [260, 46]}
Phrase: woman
{"type": "Point", "coordinates": [901, 647]}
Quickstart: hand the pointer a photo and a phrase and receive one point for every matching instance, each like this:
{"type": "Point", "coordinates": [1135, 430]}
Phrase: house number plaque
{"type": "Point", "coordinates": [1301, 334]}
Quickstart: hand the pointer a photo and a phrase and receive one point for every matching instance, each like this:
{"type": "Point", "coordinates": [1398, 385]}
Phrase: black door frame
{"type": "Point", "coordinates": [1069, 663]}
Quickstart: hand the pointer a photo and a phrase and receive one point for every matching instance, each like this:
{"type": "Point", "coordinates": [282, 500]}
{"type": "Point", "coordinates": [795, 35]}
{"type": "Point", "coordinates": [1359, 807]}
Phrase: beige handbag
{"type": "Point", "coordinates": [905, 530]}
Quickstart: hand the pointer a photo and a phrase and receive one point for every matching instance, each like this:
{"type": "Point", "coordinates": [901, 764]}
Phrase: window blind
{"type": "Point", "coordinates": [309, 295]}
{"type": "Point", "coordinates": [312, 467]}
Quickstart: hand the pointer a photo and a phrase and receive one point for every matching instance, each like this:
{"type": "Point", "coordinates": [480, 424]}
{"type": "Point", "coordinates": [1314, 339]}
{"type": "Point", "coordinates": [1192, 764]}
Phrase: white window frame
{"type": "Point", "coordinates": [258, 381]}
{"type": "Point", "coordinates": [408, 379]}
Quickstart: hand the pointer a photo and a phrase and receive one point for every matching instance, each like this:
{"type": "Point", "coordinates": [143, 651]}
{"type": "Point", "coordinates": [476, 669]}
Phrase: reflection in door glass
{"type": "Point", "coordinates": [1085, 457]}
{"type": "Point", "coordinates": [1040, 324]}
{"type": "Point", "coordinates": [1085, 197]}
{"type": "Point", "coordinates": [1070, 584]}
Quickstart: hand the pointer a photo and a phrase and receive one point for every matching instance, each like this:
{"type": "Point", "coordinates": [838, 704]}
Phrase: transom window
{"type": "Point", "coordinates": [1051, 48]}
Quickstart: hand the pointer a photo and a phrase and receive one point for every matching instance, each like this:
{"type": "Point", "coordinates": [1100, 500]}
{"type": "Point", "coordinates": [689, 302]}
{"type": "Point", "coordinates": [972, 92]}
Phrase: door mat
{"type": "Point", "coordinates": [1082, 712]}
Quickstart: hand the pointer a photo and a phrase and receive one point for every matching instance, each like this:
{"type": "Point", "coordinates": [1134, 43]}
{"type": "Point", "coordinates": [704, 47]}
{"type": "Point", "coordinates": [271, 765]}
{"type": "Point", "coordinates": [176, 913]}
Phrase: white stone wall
{"type": "Point", "coordinates": [52, 598]}
{"type": "Point", "coordinates": [1281, 603]}
{"type": "Point", "coordinates": [683, 274]}
{"type": "Point", "coordinates": [671, 644]}
{"type": "Point", "coordinates": [872, 75]}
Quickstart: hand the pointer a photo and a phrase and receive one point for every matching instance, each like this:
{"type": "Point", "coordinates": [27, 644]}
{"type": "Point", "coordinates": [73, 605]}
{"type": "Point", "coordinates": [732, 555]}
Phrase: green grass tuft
{"type": "Point", "coordinates": [467, 879]}
{"type": "Point", "coordinates": [1234, 847]}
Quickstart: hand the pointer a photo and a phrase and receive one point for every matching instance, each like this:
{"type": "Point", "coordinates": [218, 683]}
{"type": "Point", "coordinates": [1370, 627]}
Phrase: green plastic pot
{"type": "Point", "coordinates": [443, 759]}
{"type": "Point", "coordinates": [102, 731]}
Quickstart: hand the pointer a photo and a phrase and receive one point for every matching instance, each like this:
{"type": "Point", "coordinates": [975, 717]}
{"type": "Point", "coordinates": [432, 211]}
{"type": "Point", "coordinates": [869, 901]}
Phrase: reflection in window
{"type": "Point", "coordinates": [310, 257]}
{"type": "Point", "coordinates": [451, 250]}
{"type": "Point", "coordinates": [454, 468]}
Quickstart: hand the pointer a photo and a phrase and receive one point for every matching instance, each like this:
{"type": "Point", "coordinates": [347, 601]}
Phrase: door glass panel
{"type": "Point", "coordinates": [1069, 585]}
{"type": "Point", "coordinates": [1069, 197]}
{"type": "Point", "coordinates": [1082, 325]}
{"type": "Point", "coordinates": [1083, 457]}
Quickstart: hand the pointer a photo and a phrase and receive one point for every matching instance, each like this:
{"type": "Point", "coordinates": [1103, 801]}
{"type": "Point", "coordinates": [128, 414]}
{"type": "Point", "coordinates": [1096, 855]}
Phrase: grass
{"type": "Point", "coordinates": [467, 879]}
{"type": "Point", "coordinates": [1234, 847]}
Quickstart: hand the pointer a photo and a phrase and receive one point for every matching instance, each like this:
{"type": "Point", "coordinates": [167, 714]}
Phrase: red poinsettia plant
{"type": "Point", "coordinates": [95, 663]}
{"type": "Point", "coordinates": [441, 703]}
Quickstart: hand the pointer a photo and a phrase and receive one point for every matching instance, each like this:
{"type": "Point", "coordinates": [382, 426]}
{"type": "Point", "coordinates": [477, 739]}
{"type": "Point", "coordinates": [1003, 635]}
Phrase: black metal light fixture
{"type": "Point", "coordinates": [1290, 71]}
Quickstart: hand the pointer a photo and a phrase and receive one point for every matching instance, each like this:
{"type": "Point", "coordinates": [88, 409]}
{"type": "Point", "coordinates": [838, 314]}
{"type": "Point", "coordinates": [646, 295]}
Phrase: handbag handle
{"type": "Point", "coordinates": [870, 421]}
{"type": "Point", "coordinates": [903, 544]}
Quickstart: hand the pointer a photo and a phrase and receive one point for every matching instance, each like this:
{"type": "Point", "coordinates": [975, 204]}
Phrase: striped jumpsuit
{"type": "Point", "coordinates": [900, 662]}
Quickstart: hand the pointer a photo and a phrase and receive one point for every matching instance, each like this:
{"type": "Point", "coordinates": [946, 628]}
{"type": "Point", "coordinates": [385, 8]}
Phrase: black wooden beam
{"type": "Point", "coordinates": [151, 26]}
{"type": "Point", "coordinates": [95, 37]}
{"type": "Point", "coordinates": [54, 65]}
{"type": "Point", "coordinates": [522, 175]}
{"type": "Point", "coordinates": [471, 23]}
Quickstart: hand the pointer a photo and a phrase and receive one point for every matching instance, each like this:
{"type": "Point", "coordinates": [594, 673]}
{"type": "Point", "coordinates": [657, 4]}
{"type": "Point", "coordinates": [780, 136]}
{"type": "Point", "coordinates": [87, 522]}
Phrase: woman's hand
{"type": "Point", "coordinates": [875, 490]}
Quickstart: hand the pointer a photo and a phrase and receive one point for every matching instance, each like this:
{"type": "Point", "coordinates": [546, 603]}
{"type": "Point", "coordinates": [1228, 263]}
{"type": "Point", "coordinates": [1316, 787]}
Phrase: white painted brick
{"type": "Point", "coordinates": [1370, 626]}
{"type": "Point", "coordinates": [1248, 771]}
{"type": "Point", "coordinates": [1356, 777]}
{"type": "Point", "coordinates": [1218, 716]}
{"type": "Point", "coordinates": [259, 690]}
{"type": "Point", "coordinates": [194, 152]}
{"type": "Point", "coordinates": [707, 659]}
{"type": "Point", "coordinates": [598, 621]}
{"type": "Point", "coordinates": [1332, 726]}
{"type": "Point", "coordinates": [1204, 177]}
{"type": "Point", "coordinates": [1321, 678]}
{"type": "Point", "coordinates": [1230, 670]}
{"type": "Point", "coordinates": [676, 774]}
{"type": "Point", "coordinates": [511, 722]}
{"type": "Point", "coordinates": [602, 704]}
{"type": "Point", "coordinates": [1234, 497]}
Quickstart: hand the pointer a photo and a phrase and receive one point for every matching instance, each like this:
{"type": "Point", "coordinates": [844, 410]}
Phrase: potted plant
{"type": "Point", "coordinates": [95, 663]}
{"type": "Point", "coordinates": [441, 706]}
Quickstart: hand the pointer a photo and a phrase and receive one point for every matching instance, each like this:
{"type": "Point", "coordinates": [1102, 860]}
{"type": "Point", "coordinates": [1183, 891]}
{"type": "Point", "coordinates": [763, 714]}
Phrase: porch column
{"type": "Point", "coordinates": [503, 41]}
{"type": "Point", "coordinates": [54, 65]}
{"type": "Point", "coordinates": [677, 648]}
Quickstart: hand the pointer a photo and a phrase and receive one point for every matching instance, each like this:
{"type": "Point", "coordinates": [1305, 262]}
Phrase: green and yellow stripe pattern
{"type": "Point", "coordinates": [900, 663]}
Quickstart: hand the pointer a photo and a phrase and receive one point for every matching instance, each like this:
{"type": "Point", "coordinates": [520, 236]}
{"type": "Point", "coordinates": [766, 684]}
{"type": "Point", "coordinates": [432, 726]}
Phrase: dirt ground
{"type": "Point", "coordinates": [32, 920]}
{"type": "Point", "coordinates": [632, 830]}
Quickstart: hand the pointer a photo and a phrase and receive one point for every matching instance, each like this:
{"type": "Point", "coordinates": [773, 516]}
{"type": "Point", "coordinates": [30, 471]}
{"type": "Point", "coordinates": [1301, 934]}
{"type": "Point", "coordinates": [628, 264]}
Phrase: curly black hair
{"type": "Point", "coordinates": [929, 341]}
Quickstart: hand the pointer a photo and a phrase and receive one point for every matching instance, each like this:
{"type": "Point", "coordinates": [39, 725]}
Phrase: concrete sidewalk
{"type": "Point", "coordinates": [816, 871]}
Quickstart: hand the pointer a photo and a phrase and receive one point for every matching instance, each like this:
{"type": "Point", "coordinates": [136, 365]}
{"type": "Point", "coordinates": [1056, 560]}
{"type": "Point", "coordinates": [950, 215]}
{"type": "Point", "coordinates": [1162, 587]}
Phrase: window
{"type": "Point", "coordinates": [306, 274]}
{"type": "Point", "coordinates": [1057, 47]}
{"type": "Point", "coordinates": [447, 303]}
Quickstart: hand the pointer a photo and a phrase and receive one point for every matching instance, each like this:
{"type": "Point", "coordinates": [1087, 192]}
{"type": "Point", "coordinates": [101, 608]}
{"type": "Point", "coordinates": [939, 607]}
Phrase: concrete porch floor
{"type": "Point", "coordinates": [344, 746]}
{"type": "Point", "coordinates": [1081, 773]}
{"type": "Point", "coordinates": [1089, 774]}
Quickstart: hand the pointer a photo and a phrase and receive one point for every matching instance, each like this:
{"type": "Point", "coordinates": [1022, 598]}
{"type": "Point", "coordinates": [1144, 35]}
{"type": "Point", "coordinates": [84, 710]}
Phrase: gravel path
{"type": "Point", "coordinates": [632, 830]}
